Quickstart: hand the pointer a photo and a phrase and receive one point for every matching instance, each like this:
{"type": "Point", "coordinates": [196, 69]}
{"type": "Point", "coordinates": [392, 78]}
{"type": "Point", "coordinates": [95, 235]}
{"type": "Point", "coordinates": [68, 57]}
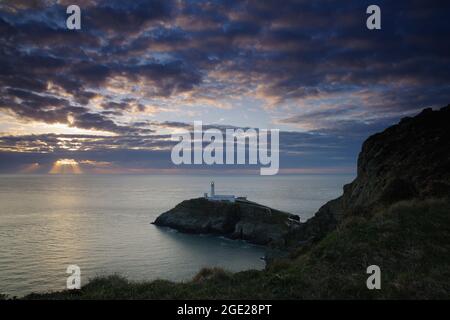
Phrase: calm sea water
{"type": "Point", "coordinates": [102, 224]}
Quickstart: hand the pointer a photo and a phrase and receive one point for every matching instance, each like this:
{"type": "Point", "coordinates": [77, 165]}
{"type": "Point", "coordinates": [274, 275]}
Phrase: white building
{"type": "Point", "coordinates": [220, 197]}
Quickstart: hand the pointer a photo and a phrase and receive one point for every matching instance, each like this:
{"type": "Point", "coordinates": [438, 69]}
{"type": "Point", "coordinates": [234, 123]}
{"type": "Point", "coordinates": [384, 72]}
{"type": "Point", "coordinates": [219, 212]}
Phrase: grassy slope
{"type": "Point", "coordinates": [410, 241]}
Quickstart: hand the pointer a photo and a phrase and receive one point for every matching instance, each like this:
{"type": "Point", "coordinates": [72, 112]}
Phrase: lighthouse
{"type": "Point", "coordinates": [221, 197]}
{"type": "Point", "coordinates": [212, 194]}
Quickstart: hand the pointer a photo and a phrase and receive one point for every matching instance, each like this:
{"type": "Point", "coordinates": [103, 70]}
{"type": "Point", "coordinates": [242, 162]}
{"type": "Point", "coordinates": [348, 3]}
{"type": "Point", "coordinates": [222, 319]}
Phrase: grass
{"type": "Point", "coordinates": [409, 241]}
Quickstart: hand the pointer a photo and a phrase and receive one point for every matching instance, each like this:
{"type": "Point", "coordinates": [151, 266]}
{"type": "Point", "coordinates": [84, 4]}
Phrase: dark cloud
{"type": "Point", "coordinates": [297, 48]}
{"type": "Point", "coordinates": [122, 16]}
{"type": "Point", "coordinates": [316, 60]}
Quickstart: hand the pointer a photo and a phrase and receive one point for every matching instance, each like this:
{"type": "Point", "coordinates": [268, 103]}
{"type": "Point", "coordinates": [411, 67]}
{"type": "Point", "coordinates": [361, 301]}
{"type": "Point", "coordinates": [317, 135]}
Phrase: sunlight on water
{"type": "Point", "coordinates": [102, 224]}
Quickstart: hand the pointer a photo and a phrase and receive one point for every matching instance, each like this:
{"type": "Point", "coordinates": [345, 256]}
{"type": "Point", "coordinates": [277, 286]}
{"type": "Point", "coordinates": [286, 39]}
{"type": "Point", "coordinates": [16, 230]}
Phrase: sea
{"type": "Point", "coordinates": [102, 224]}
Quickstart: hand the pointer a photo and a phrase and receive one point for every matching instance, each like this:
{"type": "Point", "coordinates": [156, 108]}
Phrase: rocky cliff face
{"type": "Point", "coordinates": [240, 220]}
{"type": "Point", "coordinates": [406, 161]}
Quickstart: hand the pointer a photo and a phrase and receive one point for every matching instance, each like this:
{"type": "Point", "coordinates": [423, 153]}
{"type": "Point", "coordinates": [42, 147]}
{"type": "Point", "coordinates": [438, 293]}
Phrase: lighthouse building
{"type": "Point", "coordinates": [219, 197]}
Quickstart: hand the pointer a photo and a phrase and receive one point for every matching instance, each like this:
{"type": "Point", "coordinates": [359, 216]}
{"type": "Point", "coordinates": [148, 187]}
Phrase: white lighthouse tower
{"type": "Point", "coordinates": [221, 197]}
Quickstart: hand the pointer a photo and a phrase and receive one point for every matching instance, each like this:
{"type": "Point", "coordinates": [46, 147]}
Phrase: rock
{"type": "Point", "coordinates": [410, 160]}
{"type": "Point", "coordinates": [244, 220]}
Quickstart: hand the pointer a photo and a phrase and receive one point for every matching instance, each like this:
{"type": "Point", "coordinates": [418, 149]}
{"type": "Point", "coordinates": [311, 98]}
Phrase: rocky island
{"type": "Point", "coordinates": [240, 219]}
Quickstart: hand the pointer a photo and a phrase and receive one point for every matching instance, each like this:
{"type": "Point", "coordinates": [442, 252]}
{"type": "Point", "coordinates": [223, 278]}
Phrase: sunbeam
{"type": "Point", "coordinates": [66, 166]}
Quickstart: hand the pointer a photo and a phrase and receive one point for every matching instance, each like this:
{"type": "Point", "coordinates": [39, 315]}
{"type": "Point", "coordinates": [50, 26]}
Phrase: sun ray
{"type": "Point", "coordinates": [65, 166]}
{"type": "Point", "coordinates": [30, 168]}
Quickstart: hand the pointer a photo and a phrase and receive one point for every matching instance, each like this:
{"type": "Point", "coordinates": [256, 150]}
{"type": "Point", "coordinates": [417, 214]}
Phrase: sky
{"type": "Point", "coordinates": [106, 98]}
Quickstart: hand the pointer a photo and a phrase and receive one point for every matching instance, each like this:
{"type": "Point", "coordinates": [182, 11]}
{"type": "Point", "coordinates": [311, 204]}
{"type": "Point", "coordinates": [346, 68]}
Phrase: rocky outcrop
{"type": "Point", "coordinates": [410, 160]}
{"type": "Point", "coordinates": [240, 220]}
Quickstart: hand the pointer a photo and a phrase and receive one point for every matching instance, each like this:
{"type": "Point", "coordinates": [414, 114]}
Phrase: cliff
{"type": "Point", "coordinates": [243, 220]}
{"type": "Point", "coordinates": [410, 160]}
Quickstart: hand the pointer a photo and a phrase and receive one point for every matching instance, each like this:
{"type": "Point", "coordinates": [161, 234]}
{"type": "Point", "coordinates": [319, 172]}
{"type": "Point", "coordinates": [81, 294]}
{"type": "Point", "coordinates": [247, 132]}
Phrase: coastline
{"type": "Point", "coordinates": [377, 221]}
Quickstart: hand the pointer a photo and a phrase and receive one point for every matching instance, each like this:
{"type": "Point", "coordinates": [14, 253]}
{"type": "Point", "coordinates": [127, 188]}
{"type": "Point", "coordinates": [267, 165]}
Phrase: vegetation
{"type": "Point", "coordinates": [409, 241]}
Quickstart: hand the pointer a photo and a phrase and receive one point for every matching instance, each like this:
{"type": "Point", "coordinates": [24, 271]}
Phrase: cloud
{"type": "Point", "coordinates": [315, 68]}
{"type": "Point", "coordinates": [153, 151]}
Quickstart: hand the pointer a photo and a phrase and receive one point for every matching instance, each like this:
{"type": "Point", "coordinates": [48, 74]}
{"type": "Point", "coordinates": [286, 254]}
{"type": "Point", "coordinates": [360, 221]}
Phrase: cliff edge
{"type": "Point", "coordinates": [409, 160]}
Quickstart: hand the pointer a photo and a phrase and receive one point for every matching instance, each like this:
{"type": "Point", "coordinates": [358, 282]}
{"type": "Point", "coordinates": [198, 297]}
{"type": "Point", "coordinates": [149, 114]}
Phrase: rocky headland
{"type": "Point", "coordinates": [409, 160]}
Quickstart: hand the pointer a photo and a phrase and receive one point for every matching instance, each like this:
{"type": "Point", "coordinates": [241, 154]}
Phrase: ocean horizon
{"type": "Point", "coordinates": [102, 223]}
